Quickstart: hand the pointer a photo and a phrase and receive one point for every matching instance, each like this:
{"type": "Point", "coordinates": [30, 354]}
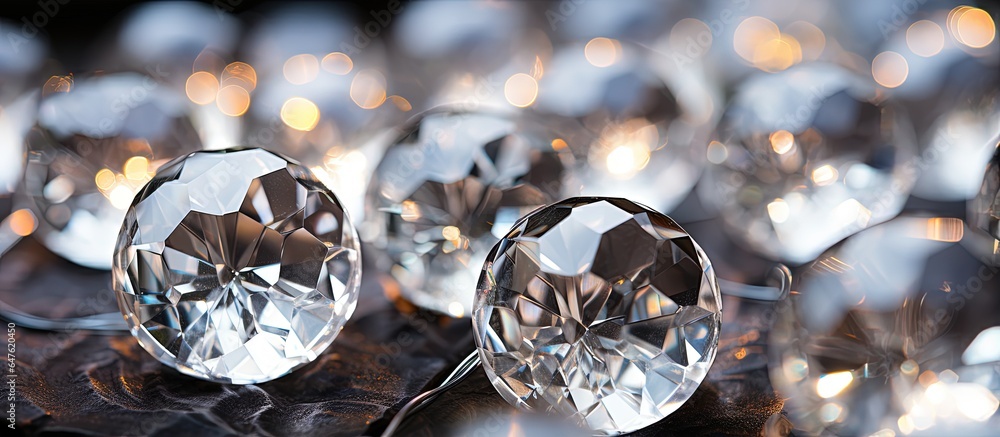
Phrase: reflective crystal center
{"type": "Point", "coordinates": [236, 266]}
{"type": "Point", "coordinates": [598, 309]}
{"type": "Point", "coordinates": [444, 194]}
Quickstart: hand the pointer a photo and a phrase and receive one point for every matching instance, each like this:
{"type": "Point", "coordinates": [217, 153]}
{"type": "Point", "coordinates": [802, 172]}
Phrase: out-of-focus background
{"type": "Point", "coordinates": [853, 141]}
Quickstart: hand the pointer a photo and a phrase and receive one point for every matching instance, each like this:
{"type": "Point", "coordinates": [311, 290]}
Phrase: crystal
{"type": "Point", "coordinates": [807, 157]}
{"type": "Point", "coordinates": [449, 189]}
{"type": "Point", "coordinates": [984, 211]}
{"type": "Point", "coordinates": [316, 89]}
{"type": "Point", "coordinates": [894, 328]}
{"type": "Point", "coordinates": [598, 309]}
{"type": "Point", "coordinates": [236, 266]}
{"type": "Point", "coordinates": [91, 150]}
{"type": "Point", "coordinates": [648, 130]}
{"type": "Point", "coordinates": [953, 99]}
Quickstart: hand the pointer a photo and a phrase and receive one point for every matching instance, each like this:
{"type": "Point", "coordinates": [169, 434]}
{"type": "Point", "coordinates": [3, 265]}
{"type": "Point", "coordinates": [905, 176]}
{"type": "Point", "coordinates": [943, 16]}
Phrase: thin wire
{"type": "Point", "coordinates": [780, 276]}
{"type": "Point", "coordinates": [106, 322]}
{"type": "Point", "coordinates": [464, 369]}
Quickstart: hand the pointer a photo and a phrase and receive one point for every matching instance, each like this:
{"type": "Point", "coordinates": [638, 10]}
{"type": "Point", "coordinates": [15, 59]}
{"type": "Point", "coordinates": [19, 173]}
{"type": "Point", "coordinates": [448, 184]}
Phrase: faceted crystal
{"type": "Point", "coordinates": [598, 309]}
{"type": "Point", "coordinates": [452, 186]}
{"type": "Point", "coordinates": [807, 157]}
{"type": "Point", "coordinates": [649, 129]}
{"type": "Point", "coordinates": [236, 266]}
{"type": "Point", "coordinates": [895, 328]}
{"type": "Point", "coordinates": [96, 142]}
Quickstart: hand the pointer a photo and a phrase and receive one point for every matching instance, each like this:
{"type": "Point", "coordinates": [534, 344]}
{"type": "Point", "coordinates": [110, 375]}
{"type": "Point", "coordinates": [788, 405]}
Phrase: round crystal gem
{"type": "Point", "coordinates": [448, 190]}
{"type": "Point", "coordinates": [598, 309]}
{"type": "Point", "coordinates": [236, 266]}
{"type": "Point", "coordinates": [92, 148]}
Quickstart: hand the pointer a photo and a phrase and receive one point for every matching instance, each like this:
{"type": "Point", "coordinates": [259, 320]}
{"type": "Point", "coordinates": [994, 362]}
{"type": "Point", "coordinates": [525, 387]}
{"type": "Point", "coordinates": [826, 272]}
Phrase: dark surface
{"type": "Point", "coordinates": [99, 384]}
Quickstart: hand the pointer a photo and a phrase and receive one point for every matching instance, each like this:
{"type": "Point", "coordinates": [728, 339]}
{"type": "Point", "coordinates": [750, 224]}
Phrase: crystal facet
{"type": "Point", "coordinates": [236, 266]}
{"type": "Point", "coordinates": [444, 194]}
{"type": "Point", "coordinates": [96, 142]}
{"type": "Point", "coordinates": [598, 309]}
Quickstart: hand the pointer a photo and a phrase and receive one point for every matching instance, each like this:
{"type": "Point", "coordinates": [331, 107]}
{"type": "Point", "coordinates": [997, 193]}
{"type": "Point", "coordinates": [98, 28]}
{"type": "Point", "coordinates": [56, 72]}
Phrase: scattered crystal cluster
{"type": "Point", "coordinates": [598, 309]}
{"type": "Point", "coordinates": [449, 189]}
{"type": "Point", "coordinates": [893, 331]}
{"type": "Point", "coordinates": [807, 157]}
{"type": "Point", "coordinates": [236, 266]}
{"type": "Point", "coordinates": [96, 142]}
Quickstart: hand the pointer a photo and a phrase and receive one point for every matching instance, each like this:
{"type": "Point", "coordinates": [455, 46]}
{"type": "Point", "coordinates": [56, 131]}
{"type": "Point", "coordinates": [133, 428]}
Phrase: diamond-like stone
{"type": "Point", "coordinates": [236, 266]}
{"type": "Point", "coordinates": [807, 157]}
{"type": "Point", "coordinates": [598, 309]}
{"type": "Point", "coordinates": [92, 149]}
{"type": "Point", "coordinates": [447, 191]}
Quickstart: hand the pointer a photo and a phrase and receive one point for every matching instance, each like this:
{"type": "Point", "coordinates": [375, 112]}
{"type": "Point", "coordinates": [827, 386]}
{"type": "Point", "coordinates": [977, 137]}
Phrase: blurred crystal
{"type": "Point", "coordinates": [236, 266]}
{"type": "Point", "coordinates": [649, 131]}
{"type": "Point", "coordinates": [97, 140]}
{"type": "Point", "coordinates": [448, 189]}
{"type": "Point", "coordinates": [463, 54]}
{"type": "Point", "coordinates": [600, 310]}
{"type": "Point", "coordinates": [171, 35]}
{"type": "Point", "coordinates": [887, 331]}
{"type": "Point", "coordinates": [633, 20]}
{"type": "Point", "coordinates": [469, 32]}
{"type": "Point", "coordinates": [807, 157]}
{"type": "Point", "coordinates": [20, 60]}
{"type": "Point", "coordinates": [321, 82]}
{"type": "Point", "coordinates": [984, 210]}
{"type": "Point", "coordinates": [953, 99]}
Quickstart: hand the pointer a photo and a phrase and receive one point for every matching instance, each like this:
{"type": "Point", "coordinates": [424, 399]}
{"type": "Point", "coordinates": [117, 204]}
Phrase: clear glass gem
{"type": "Point", "coordinates": [894, 331]}
{"type": "Point", "coordinates": [807, 157]}
{"type": "Point", "coordinates": [449, 189]}
{"type": "Point", "coordinates": [236, 266]}
{"type": "Point", "coordinates": [598, 309]}
{"type": "Point", "coordinates": [97, 140]}
{"type": "Point", "coordinates": [649, 127]}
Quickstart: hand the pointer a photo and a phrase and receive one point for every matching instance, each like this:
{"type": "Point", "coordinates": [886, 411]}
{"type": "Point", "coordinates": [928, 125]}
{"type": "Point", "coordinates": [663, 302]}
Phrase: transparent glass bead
{"type": "Point", "coordinates": [448, 189]}
{"type": "Point", "coordinates": [648, 129]}
{"type": "Point", "coordinates": [807, 157]}
{"type": "Point", "coordinates": [597, 309]}
{"type": "Point", "coordinates": [96, 141]}
{"type": "Point", "coordinates": [236, 266]}
{"type": "Point", "coordinates": [892, 332]}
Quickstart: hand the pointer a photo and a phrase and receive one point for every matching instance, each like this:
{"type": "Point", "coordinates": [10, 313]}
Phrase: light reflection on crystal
{"type": "Point", "coordinates": [878, 326]}
{"type": "Point", "coordinates": [236, 266]}
{"type": "Point", "coordinates": [649, 131]}
{"type": "Point", "coordinates": [451, 186]}
{"type": "Point", "coordinates": [812, 156]}
{"type": "Point", "coordinates": [600, 310]}
{"type": "Point", "coordinates": [119, 127]}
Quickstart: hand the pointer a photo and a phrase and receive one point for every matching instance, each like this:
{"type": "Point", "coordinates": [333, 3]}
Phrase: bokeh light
{"type": "Point", "coordinates": [300, 114]}
{"type": "Point", "coordinates": [201, 87]}
{"type": "Point", "coordinates": [368, 89]}
{"type": "Point", "coordinates": [233, 100]}
{"type": "Point", "coordinates": [890, 69]}
{"type": "Point", "coordinates": [925, 38]}
{"type": "Point", "coordinates": [301, 69]}
{"type": "Point", "coordinates": [338, 63]}
{"type": "Point", "coordinates": [521, 90]}
{"type": "Point", "coordinates": [602, 52]}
